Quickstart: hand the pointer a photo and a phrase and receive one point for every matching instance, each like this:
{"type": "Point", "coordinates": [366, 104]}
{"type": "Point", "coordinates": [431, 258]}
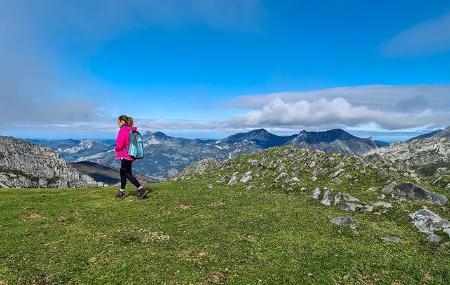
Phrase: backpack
{"type": "Point", "coordinates": [136, 148]}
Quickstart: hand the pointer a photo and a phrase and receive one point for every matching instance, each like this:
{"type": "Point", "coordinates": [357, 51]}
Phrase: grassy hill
{"type": "Point", "coordinates": [198, 230]}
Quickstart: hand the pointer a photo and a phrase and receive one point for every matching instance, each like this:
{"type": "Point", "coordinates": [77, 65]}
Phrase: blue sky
{"type": "Point", "coordinates": [201, 68]}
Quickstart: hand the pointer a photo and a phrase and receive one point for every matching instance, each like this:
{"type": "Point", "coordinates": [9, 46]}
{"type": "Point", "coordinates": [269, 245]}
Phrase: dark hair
{"type": "Point", "coordinates": [128, 120]}
{"type": "Point", "coordinates": [123, 118]}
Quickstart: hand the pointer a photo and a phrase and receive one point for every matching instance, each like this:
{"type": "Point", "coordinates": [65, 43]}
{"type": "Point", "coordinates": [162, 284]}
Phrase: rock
{"type": "Point", "coordinates": [210, 186]}
{"type": "Point", "coordinates": [432, 238]}
{"type": "Point", "coordinates": [447, 231]}
{"type": "Point", "coordinates": [337, 173]}
{"type": "Point", "coordinates": [392, 239]}
{"type": "Point", "coordinates": [282, 176]}
{"type": "Point", "coordinates": [326, 198]}
{"type": "Point", "coordinates": [413, 192]}
{"type": "Point", "coordinates": [353, 207]}
{"type": "Point", "coordinates": [427, 222]}
{"type": "Point", "coordinates": [389, 188]}
{"type": "Point", "coordinates": [343, 221]}
{"type": "Point", "coordinates": [337, 198]}
{"type": "Point", "coordinates": [313, 178]}
{"type": "Point", "coordinates": [246, 177]}
{"type": "Point", "coordinates": [221, 180]}
{"type": "Point", "coordinates": [349, 198]}
{"type": "Point", "coordinates": [255, 163]}
{"type": "Point", "coordinates": [316, 193]}
{"type": "Point", "coordinates": [336, 180]}
{"type": "Point", "coordinates": [382, 204]}
{"type": "Point", "coordinates": [294, 180]}
{"type": "Point", "coordinates": [249, 187]}
{"type": "Point", "coordinates": [233, 180]}
{"type": "Point", "coordinates": [26, 165]}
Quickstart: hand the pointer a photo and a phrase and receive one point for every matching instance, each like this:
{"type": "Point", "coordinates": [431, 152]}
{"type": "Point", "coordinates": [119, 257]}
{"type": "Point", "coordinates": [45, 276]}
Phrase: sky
{"type": "Point", "coordinates": [207, 69]}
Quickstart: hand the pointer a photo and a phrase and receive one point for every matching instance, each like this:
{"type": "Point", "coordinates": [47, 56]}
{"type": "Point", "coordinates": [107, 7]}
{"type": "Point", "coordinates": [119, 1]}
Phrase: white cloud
{"type": "Point", "coordinates": [425, 38]}
{"type": "Point", "coordinates": [337, 112]}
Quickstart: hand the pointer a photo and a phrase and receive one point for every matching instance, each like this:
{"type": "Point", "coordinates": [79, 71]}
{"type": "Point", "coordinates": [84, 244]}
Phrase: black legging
{"type": "Point", "coordinates": [125, 172]}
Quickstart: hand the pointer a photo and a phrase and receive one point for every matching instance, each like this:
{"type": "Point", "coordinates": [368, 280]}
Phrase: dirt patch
{"type": "Point", "coordinates": [183, 207]}
{"type": "Point", "coordinates": [216, 277]}
{"type": "Point", "coordinates": [31, 217]}
{"type": "Point", "coordinates": [248, 238]}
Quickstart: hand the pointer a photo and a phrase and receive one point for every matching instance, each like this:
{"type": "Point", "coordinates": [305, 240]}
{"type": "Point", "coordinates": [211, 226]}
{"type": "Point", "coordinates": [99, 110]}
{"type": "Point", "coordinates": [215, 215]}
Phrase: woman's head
{"type": "Point", "coordinates": [125, 120]}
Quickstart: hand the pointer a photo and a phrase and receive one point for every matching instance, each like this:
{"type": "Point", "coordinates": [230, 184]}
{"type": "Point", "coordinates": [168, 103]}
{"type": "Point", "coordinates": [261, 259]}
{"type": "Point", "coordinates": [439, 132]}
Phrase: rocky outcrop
{"type": "Point", "coordinates": [409, 191]}
{"type": "Point", "coordinates": [428, 222]}
{"type": "Point", "coordinates": [25, 165]}
{"type": "Point", "coordinates": [430, 155]}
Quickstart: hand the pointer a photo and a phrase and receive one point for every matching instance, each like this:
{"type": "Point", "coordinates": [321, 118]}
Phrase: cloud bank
{"type": "Point", "coordinates": [429, 37]}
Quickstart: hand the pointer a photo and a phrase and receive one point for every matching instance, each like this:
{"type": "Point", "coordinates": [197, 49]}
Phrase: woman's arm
{"type": "Point", "coordinates": [120, 141]}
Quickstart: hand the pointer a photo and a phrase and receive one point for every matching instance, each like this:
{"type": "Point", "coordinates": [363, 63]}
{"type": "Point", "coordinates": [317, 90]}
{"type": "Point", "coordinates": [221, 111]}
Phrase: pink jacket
{"type": "Point", "coordinates": [123, 142]}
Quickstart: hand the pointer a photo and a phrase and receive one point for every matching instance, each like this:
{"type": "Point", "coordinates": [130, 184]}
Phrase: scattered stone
{"type": "Point", "coordinates": [337, 173]}
{"type": "Point", "coordinates": [294, 180]}
{"type": "Point", "coordinates": [246, 177]}
{"type": "Point", "coordinates": [255, 162]}
{"type": "Point", "coordinates": [326, 198]}
{"type": "Point", "coordinates": [249, 187]}
{"type": "Point", "coordinates": [210, 186]}
{"type": "Point", "coordinates": [343, 221]}
{"type": "Point", "coordinates": [313, 178]}
{"type": "Point", "coordinates": [392, 239]}
{"type": "Point", "coordinates": [233, 180]}
{"type": "Point", "coordinates": [316, 193]}
{"type": "Point", "coordinates": [221, 180]}
{"type": "Point", "coordinates": [372, 189]}
{"type": "Point", "coordinates": [351, 207]}
{"type": "Point", "coordinates": [282, 176]}
{"type": "Point", "coordinates": [432, 238]}
{"type": "Point", "coordinates": [382, 204]}
{"type": "Point", "coordinates": [336, 180]}
{"type": "Point", "coordinates": [389, 188]}
{"type": "Point", "coordinates": [337, 198]}
{"type": "Point", "coordinates": [367, 208]}
{"type": "Point", "coordinates": [349, 198]}
{"type": "Point", "coordinates": [427, 222]}
{"type": "Point", "coordinates": [413, 192]}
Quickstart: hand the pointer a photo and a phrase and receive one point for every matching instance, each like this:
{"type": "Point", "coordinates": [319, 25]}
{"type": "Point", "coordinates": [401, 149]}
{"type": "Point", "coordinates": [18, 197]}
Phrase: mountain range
{"type": "Point", "coordinates": [165, 155]}
{"type": "Point", "coordinates": [428, 153]}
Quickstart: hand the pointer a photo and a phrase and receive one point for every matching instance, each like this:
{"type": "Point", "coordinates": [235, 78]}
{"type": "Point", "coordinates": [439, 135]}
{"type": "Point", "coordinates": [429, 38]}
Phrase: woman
{"type": "Point", "coordinates": [122, 143]}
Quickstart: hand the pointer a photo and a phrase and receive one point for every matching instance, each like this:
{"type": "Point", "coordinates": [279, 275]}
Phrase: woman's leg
{"type": "Point", "coordinates": [123, 174]}
{"type": "Point", "coordinates": [129, 174]}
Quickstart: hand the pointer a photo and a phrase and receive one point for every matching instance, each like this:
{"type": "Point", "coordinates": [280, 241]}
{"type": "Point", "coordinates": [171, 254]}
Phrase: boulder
{"type": "Point", "coordinates": [326, 198]}
{"type": "Point", "coordinates": [427, 222]}
{"type": "Point", "coordinates": [382, 204]}
{"type": "Point", "coordinates": [316, 193]}
{"type": "Point", "coordinates": [435, 239]}
{"type": "Point", "coordinates": [343, 221]}
{"type": "Point", "coordinates": [392, 239]}
{"type": "Point", "coordinates": [246, 177]}
{"type": "Point", "coordinates": [413, 192]}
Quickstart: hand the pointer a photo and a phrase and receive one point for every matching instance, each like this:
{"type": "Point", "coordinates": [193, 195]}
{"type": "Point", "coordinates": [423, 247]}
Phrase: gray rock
{"type": "Point", "coordinates": [343, 221]}
{"type": "Point", "coordinates": [336, 180]}
{"type": "Point", "coordinates": [326, 198]}
{"type": "Point", "coordinates": [337, 198]}
{"type": "Point", "coordinates": [389, 188]}
{"type": "Point", "coordinates": [413, 192]}
{"type": "Point", "coordinates": [351, 207]}
{"type": "Point", "coordinates": [246, 177]}
{"type": "Point", "coordinates": [210, 186]}
{"type": "Point", "coordinates": [382, 204]}
{"type": "Point", "coordinates": [316, 193]}
{"type": "Point", "coordinates": [233, 180]}
{"type": "Point", "coordinates": [392, 239]}
{"type": "Point", "coordinates": [221, 180]}
{"type": "Point", "coordinates": [349, 198]}
{"type": "Point", "coordinates": [427, 222]}
{"type": "Point", "coordinates": [26, 165]}
{"type": "Point", "coordinates": [432, 238]}
{"type": "Point", "coordinates": [313, 178]}
{"type": "Point", "coordinates": [447, 231]}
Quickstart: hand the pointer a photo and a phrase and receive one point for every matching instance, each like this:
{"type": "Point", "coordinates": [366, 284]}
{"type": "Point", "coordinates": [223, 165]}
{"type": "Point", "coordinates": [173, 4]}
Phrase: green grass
{"type": "Point", "coordinates": [186, 233]}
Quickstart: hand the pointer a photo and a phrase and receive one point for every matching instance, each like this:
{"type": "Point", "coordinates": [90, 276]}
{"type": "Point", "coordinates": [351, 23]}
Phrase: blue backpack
{"type": "Point", "coordinates": [136, 148]}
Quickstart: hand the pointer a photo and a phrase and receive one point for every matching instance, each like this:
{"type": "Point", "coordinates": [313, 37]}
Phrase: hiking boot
{"type": "Point", "coordinates": [142, 193]}
{"type": "Point", "coordinates": [120, 194]}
